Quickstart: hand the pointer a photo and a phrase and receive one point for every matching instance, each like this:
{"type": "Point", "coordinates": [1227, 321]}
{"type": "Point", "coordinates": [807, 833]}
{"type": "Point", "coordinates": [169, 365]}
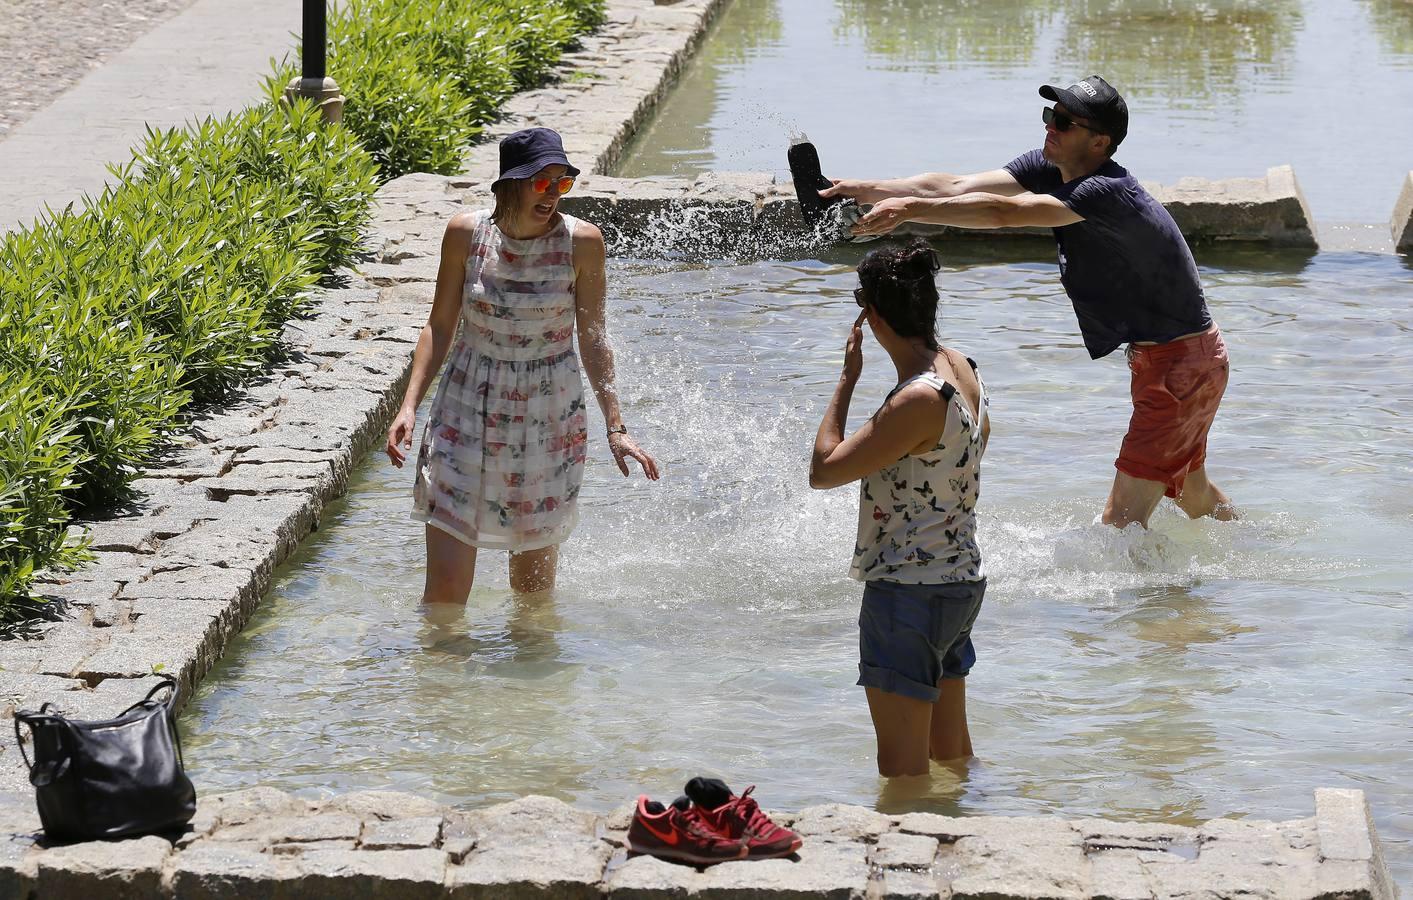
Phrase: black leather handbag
{"type": "Point", "coordinates": [115, 778]}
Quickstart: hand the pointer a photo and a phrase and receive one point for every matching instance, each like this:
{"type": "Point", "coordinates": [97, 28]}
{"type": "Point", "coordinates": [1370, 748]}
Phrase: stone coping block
{"type": "Point", "coordinates": [751, 212]}
{"type": "Point", "coordinates": [729, 214]}
{"type": "Point", "coordinates": [263, 843]}
{"type": "Point", "coordinates": [1402, 223]}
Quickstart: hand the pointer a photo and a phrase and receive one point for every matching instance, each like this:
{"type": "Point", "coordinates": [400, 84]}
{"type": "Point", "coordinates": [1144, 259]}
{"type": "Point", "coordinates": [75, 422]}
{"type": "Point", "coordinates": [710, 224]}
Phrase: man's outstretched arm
{"type": "Point", "coordinates": [928, 185]}
{"type": "Point", "coordinates": [973, 210]}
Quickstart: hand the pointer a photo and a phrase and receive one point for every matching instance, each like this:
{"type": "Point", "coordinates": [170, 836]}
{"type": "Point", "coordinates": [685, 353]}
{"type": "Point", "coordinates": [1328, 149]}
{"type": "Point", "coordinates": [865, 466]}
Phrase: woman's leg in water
{"type": "Point", "coordinates": [902, 725]}
{"type": "Point", "coordinates": [948, 738]}
{"type": "Point", "coordinates": [534, 570]}
{"type": "Point", "coordinates": [451, 568]}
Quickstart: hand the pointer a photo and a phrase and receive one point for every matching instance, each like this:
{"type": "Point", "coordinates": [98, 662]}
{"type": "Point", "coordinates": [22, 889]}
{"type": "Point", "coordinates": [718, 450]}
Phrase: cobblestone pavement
{"type": "Point", "coordinates": [46, 46]}
{"type": "Point", "coordinates": [375, 845]}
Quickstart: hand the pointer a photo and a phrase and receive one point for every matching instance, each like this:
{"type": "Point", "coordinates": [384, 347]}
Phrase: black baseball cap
{"type": "Point", "coordinates": [1096, 100]}
{"type": "Point", "coordinates": [529, 150]}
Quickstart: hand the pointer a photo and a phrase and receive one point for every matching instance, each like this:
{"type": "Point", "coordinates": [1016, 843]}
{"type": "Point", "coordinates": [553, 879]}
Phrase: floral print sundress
{"type": "Point", "coordinates": [917, 517]}
{"type": "Point", "coordinates": [502, 455]}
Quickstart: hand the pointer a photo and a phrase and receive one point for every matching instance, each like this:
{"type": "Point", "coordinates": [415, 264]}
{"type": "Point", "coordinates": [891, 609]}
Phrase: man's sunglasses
{"type": "Point", "coordinates": [1062, 122]}
{"type": "Point", "coordinates": [562, 184]}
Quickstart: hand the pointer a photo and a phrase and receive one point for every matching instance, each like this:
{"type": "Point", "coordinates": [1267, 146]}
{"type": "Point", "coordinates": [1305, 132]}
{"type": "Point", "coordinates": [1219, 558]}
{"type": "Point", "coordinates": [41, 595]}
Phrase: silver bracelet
{"type": "Point", "coordinates": [618, 429]}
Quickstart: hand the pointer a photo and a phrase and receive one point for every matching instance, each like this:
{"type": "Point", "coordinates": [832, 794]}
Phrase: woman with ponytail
{"type": "Point", "coordinates": [918, 459]}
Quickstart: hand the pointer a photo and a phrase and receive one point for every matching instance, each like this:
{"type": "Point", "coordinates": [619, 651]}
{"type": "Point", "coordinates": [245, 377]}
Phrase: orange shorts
{"type": "Point", "coordinates": [1176, 388]}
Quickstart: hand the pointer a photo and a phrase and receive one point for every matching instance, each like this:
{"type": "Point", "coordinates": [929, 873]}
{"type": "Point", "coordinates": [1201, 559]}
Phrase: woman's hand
{"type": "Point", "coordinates": [400, 436]}
{"type": "Point", "coordinates": [853, 350]}
{"type": "Point", "coordinates": [623, 447]}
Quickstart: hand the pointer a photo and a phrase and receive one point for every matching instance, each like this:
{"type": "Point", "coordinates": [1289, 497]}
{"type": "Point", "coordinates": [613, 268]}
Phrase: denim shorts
{"type": "Point", "coordinates": [913, 635]}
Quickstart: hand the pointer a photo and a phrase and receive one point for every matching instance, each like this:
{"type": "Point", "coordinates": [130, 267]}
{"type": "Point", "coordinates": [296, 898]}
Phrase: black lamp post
{"type": "Point", "coordinates": [315, 33]}
{"type": "Point", "coordinates": [313, 82]}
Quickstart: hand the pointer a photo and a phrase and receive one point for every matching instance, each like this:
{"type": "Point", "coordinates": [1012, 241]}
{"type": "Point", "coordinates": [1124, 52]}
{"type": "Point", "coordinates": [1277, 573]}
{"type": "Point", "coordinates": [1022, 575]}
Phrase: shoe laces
{"type": "Point", "coordinates": [699, 826]}
{"type": "Point", "coordinates": [748, 813]}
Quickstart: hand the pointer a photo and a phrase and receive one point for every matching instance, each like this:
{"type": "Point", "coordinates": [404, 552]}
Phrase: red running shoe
{"type": "Point", "coordinates": [741, 818]}
{"type": "Point", "coordinates": [677, 832]}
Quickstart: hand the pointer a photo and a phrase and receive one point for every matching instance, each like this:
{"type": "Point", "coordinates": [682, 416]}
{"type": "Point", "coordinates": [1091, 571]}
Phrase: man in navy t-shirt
{"type": "Point", "coordinates": [1126, 269]}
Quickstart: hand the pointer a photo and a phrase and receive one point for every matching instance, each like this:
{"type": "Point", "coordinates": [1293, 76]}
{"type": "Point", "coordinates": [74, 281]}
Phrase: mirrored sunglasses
{"type": "Point", "coordinates": [542, 183]}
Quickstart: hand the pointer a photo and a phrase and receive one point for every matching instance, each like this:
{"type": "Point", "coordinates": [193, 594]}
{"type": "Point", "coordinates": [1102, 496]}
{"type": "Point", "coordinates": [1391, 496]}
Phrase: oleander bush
{"type": "Point", "coordinates": [37, 461]}
{"type": "Point", "coordinates": [169, 287]}
{"type": "Point", "coordinates": [421, 80]}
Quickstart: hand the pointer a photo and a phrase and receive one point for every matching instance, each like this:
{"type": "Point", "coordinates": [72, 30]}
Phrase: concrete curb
{"type": "Point", "coordinates": [1402, 223]}
{"type": "Point", "coordinates": [263, 843]}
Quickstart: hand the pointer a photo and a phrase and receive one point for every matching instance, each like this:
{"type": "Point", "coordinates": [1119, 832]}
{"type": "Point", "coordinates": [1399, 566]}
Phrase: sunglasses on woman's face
{"type": "Point", "coordinates": [860, 297]}
{"type": "Point", "coordinates": [561, 185]}
{"type": "Point", "coordinates": [1062, 122]}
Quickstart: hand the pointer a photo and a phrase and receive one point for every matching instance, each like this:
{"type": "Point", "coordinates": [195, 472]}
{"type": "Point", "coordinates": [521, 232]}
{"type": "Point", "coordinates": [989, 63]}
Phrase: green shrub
{"type": "Point", "coordinates": [65, 329]}
{"type": "Point", "coordinates": [588, 14]}
{"type": "Point", "coordinates": [37, 461]}
{"type": "Point", "coordinates": [172, 285]}
{"type": "Point", "coordinates": [421, 80]}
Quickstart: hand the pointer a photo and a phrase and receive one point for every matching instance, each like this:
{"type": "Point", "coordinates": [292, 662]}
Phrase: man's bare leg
{"type": "Point", "coordinates": [1131, 500]}
{"type": "Point", "coordinates": [1200, 497]}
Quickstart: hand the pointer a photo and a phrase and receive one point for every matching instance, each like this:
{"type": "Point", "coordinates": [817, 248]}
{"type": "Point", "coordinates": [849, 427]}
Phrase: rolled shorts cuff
{"type": "Point", "coordinates": [896, 683]}
{"type": "Point", "coordinates": [1172, 482]}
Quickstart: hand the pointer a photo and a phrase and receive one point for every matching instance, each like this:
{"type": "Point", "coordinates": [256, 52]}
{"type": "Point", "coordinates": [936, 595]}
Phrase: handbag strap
{"type": "Point", "coordinates": [167, 682]}
{"type": "Point", "coordinates": [31, 719]}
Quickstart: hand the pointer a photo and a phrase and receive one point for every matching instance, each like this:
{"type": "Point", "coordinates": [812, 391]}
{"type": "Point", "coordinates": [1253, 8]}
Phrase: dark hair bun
{"type": "Point", "coordinates": [918, 259]}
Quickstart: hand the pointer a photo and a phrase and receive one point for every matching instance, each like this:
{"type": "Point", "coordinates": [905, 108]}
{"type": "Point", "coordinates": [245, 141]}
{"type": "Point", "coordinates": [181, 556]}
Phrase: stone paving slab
{"type": "Point", "coordinates": [264, 843]}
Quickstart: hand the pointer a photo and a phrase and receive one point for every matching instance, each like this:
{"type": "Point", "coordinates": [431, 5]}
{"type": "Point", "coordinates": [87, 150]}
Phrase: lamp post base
{"type": "Point", "coordinates": [323, 91]}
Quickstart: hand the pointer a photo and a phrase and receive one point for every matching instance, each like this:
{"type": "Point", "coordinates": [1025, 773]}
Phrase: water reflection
{"type": "Point", "coordinates": [1393, 19]}
{"type": "Point", "coordinates": [680, 129]}
{"type": "Point", "coordinates": [925, 33]}
{"type": "Point", "coordinates": [1191, 54]}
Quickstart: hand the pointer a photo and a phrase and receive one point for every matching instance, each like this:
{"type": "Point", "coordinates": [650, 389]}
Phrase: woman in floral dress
{"type": "Point", "coordinates": [503, 449]}
{"type": "Point", "coordinates": [918, 459]}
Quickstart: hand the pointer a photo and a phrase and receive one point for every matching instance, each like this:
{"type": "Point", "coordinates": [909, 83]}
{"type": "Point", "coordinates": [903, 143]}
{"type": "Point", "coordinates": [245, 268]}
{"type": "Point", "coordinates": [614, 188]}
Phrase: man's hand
{"type": "Point", "coordinates": [885, 216]}
{"type": "Point", "coordinates": [862, 192]}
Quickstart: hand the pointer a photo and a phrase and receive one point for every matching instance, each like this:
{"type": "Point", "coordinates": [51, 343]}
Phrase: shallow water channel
{"type": "Point", "coordinates": [706, 624]}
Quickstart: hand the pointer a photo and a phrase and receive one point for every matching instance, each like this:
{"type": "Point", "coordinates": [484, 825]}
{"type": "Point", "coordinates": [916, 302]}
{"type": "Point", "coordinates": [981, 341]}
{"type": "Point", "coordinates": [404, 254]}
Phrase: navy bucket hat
{"type": "Point", "coordinates": [526, 152]}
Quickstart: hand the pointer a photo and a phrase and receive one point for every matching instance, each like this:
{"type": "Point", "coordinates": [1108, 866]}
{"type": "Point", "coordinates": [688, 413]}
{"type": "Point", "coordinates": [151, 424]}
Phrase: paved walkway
{"type": "Point", "coordinates": [207, 60]}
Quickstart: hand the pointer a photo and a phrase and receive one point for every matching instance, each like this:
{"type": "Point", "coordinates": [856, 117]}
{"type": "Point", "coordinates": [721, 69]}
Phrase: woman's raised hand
{"type": "Point", "coordinates": [624, 447]}
{"type": "Point", "coordinates": [853, 350]}
{"type": "Point", "coordinates": [400, 436]}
